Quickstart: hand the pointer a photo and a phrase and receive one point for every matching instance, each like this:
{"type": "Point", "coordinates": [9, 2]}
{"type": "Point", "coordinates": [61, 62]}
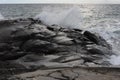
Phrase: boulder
{"type": "Point", "coordinates": [99, 50]}
{"type": "Point", "coordinates": [5, 56]}
{"type": "Point", "coordinates": [5, 47]}
{"type": "Point", "coordinates": [38, 46]}
{"type": "Point", "coordinates": [96, 39]}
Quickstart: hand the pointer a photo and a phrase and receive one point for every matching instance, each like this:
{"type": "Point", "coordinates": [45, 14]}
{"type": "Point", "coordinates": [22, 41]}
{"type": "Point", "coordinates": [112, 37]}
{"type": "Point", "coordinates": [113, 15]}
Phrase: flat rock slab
{"type": "Point", "coordinates": [71, 74]}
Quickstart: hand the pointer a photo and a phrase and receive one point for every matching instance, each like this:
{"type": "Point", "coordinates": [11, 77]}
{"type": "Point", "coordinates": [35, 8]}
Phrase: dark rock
{"type": "Point", "coordinates": [78, 30]}
{"type": "Point", "coordinates": [99, 50]}
{"type": "Point", "coordinates": [5, 47]}
{"type": "Point", "coordinates": [37, 45]}
{"type": "Point", "coordinates": [96, 39]}
{"type": "Point", "coordinates": [11, 56]}
{"type": "Point", "coordinates": [21, 34]}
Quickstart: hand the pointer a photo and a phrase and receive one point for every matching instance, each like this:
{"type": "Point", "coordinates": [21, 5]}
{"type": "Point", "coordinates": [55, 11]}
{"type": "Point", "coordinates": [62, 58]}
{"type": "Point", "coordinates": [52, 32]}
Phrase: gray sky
{"type": "Point", "coordinates": [61, 1]}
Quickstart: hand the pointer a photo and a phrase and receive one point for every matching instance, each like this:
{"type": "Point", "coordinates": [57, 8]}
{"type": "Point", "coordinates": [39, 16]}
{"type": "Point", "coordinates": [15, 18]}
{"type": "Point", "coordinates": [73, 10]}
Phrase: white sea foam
{"type": "Point", "coordinates": [1, 17]}
{"type": "Point", "coordinates": [109, 29]}
{"type": "Point", "coordinates": [115, 60]}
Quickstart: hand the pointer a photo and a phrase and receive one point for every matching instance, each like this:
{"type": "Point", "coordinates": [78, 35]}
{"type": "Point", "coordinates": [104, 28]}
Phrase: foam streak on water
{"type": "Point", "coordinates": [108, 28]}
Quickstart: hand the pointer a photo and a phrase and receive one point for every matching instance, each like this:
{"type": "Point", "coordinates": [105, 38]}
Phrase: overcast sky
{"type": "Point", "coordinates": [61, 1]}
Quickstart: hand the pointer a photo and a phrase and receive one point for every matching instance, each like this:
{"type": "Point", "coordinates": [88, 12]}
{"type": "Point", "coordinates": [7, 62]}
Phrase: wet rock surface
{"type": "Point", "coordinates": [28, 45]}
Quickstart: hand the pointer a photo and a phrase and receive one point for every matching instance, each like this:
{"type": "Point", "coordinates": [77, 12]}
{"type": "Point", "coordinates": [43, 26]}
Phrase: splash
{"type": "Point", "coordinates": [1, 17]}
{"type": "Point", "coordinates": [108, 28]}
{"type": "Point", "coordinates": [69, 18]}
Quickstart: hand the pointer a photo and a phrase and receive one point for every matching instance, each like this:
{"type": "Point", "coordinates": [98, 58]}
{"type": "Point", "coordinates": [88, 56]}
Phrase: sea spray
{"type": "Point", "coordinates": [110, 31]}
{"type": "Point", "coordinates": [108, 28]}
{"type": "Point", "coordinates": [1, 17]}
{"type": "Point", "coordinates": [68, 18]}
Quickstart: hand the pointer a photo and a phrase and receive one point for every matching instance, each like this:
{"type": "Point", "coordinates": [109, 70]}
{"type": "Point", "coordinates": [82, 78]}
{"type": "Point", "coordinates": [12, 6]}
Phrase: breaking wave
{"type": "Point", "coordinates": [109, 29]}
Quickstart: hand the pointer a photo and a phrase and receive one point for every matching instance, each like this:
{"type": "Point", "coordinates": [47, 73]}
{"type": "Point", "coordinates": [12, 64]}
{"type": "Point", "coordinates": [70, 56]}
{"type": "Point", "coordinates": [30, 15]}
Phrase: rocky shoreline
{"type": "Point", "coordinates": [29, 45]}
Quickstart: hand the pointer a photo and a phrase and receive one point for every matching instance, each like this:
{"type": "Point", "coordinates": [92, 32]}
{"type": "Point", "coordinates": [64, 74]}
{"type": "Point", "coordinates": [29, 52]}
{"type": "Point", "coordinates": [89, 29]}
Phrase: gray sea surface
{"type": "Point", "coordinates": [29, 10]}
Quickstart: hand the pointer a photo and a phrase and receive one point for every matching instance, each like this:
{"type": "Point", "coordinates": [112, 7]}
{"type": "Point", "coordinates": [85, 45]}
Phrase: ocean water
{"type": "Point", "coordinates": [101, 19]}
